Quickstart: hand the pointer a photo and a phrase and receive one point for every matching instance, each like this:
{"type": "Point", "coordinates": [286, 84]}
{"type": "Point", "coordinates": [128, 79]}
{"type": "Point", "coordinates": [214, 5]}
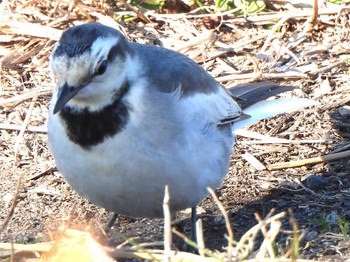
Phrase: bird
{"type": "Point", "coordinates": [127, 119]}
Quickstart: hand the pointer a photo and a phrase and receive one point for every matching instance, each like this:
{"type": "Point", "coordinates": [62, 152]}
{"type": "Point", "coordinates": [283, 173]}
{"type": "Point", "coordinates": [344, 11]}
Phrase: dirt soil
{"type": "Point", "coordinates": [316, 195]}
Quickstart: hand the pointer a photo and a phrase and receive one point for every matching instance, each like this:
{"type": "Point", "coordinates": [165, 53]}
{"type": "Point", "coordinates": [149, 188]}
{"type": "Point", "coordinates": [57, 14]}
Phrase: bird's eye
{"type": "Point", "coordinates": [101, 69]}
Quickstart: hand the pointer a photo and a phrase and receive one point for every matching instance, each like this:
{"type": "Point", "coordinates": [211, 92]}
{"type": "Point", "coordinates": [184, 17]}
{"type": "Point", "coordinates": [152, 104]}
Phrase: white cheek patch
{"type": "Point", "coordinates": [98, 90]}
{"type": "Point", "coordinates": [59, 67]}
{"type": "Point", "coordinates": [79, 70]}
{"type": "Point", "coordinates": [76, 71]}
{"type": "Point", "coordinates": [73, 71]}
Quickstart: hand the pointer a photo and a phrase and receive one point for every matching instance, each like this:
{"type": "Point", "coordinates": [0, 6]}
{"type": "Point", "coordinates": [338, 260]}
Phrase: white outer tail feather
{"type": "Point", "coordinates": [269, 108]}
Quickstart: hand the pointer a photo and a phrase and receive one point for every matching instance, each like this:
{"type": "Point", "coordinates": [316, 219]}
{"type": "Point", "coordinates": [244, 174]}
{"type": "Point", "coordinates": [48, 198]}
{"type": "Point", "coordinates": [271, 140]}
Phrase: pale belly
{"type": "Point", "coordinates": [127, 176]}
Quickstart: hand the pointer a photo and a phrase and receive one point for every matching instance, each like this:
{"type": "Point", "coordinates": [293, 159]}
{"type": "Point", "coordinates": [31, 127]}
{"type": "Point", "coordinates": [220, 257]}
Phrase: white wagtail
{"type": "Point", "coordinates": [128, 119]}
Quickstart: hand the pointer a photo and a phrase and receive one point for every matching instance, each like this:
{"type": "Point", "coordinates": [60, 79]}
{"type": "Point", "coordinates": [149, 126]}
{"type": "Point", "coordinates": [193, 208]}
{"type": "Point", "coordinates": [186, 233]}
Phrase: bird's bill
{"type": "Point", "coordinates": [65, 93]}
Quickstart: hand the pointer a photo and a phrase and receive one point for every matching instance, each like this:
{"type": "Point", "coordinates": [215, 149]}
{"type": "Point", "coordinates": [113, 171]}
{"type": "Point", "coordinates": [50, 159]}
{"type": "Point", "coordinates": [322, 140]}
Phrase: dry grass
{"type": "Point", "coordinates": [298, 50]}
{"type": "Point", "coordinates": [73, 245]}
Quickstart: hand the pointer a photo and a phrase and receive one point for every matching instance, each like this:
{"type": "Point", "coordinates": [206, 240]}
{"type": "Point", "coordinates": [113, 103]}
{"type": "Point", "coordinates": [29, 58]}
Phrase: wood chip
{"type": "Point", "coordinates": [253, 161]}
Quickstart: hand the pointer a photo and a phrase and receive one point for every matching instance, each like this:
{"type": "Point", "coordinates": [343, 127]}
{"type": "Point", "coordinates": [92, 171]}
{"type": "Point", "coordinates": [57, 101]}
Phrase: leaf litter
{"type": "Point", "coordinates": [288, 45]}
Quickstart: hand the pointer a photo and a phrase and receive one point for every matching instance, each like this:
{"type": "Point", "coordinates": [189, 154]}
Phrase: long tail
{"type": "Point", "coordinates": [252, 98]}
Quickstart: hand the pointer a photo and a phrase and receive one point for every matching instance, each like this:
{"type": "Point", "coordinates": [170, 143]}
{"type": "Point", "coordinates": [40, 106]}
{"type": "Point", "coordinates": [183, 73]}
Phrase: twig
{"type": "Point", "coordinates": [13, 101]}
{"type": "Point", "coordinates": [294, 249]}
{"type": "Point", "coordinates": [206, 252]}
{"type": "Point", "coordinates": [192, 14]}
{"type": "Point", "coordinates": [14, 203]}
{"type": "Point", "coordinates": [208, 37]}
{"type": "Point", "coordinates": [261, 75]}
{"type": "Point", "coordinates": [313, 160]}
{"type": "Point", "coordinates": [253, 161]}
{"type": "Point", "coordinates": [254, 18]}
{"type": "Point", "coordinates": [31, 29]}
{"type": "Point", "coordinates": [255, 135]}
{"type": "Point", "coordinates": [303, 187]}
{"type": "Point", "coordinates": [137, 12]}
{"type": "Point", "coordinates": [315, 13]}
{"type": "Point", "coordinates": [236, 47]}
{"type": "Point", "coordinates": [275, 28]}
{"type": "Point", "coordinates": [45, 172]}
{"type": "Point", "coordinates": [329, 67]}
{"type": "Point", "coordinates": [251, 234]}
{"type": "Point", "coordinates": [23, 128]}
{"type": "Point", "coordinates": [269, 237]}
{"type": "Point", "coordinates": [36, 129]}
{"type": "Point", "coordinates": [200, 237]}
{"type": "Point", "coordinates": [81, 6]}
{"type": "Point", "coordinates": [297, 181]}
{"type": "Point", "coordinates": [19, 56]}
{"type": "Point", "coordinates": [272, 17]}
{"type": "Point", "coordinates": [277, 141]}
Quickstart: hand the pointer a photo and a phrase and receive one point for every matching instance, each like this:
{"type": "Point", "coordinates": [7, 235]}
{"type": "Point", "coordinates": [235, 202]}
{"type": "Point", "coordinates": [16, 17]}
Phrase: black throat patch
{"type": "Point", "coordinates": [88, 128]}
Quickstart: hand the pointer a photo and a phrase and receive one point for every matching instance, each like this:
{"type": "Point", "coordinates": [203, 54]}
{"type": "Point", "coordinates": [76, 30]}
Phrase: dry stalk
{"type": "Point", "coordinates": [14, 202]}
{"type": "Point", "coordinates": [297, 181]}
{"type": "Point", "coordinates": [33, 30]}
{"type": "Point", "coordinates": [136, 11]}
{"type": "Point", "coordinates": [250, 134]}
{"type": "Point", "coordinates": [277, 141]}
{"type": "Point", "coordinates": [227, 223]}
{"type": "Point", "coordinates": [269, 236]}
{"type": "Point", "coordinates": [16, 57]}
{"type": "Point", "coordinates": [315, 13]}
{"type": "Point", "coordinates": [261, 75]}
{"type": "Point", "coordinates": [208, 37]}
{"type": "Point", "coordinates": [308, 161]}
{"type": "Point", "coordinates": [25, 123]}
{"type": "Point", "coordinates": [82, 8]}
{"type": "Point", "coordinates": [253, 161]}
{"type": "Point", "coordinates": [204, 252]}
{"type": "Point", "coordinates": [251, 234]}
{"type": "Point", "coordinates": [167, 225]}
{"type": "Point", "coordinates": [34, 129]}
{"type": "Point", "coordinates": [16, 100]}
{"type": "Point", "coordinates": [275, 28]}
{"type": "Point", "coordinates": [293, 251]}
{"type": "Point", "coordinates": [295, 14]}
{"type": "Point", "coordinates": [200, 237]}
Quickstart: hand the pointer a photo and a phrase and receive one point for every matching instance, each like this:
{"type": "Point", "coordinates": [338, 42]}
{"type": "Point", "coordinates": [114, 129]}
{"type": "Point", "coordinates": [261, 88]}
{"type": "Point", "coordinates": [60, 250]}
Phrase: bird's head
{"type": "Point", "coordinates": [88, 62]}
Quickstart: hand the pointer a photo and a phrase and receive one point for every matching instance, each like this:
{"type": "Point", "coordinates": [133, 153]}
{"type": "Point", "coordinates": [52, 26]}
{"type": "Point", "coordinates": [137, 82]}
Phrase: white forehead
{"type": "Point", "coordinates": [102, 45]}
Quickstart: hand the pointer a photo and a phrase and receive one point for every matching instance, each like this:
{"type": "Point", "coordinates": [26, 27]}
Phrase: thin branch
{"type": "Point", "coordinates": [253, 161]}
{"type": "Point", "coordinates": [14, 202]}
{"type": "Point", "coordinates": [137, 12]}
{"type": "Point", "coordinates": [35, 129]}
{"type": "Point", "coordinates": [315, 13]}
{"type": "Point", "coordinates": [313, 160]}
{"type": "Point", "coordinates": [23, 128]}
{"type": "Point", "coordinates": [261, 75]}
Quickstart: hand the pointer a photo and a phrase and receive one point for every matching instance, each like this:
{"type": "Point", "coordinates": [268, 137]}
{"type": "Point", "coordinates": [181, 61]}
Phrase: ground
{"type": "Point", "coordinates": [315, 196]}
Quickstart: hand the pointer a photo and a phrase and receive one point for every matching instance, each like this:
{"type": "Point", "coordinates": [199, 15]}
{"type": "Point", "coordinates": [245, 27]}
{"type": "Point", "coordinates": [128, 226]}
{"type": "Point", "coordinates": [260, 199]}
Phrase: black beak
{"type": "Point", "coordinates": [65, 93]}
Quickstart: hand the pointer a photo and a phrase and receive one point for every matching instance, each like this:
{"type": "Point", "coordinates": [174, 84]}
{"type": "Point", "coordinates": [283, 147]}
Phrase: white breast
{"type": "Point", "coordinates": [162, 144]}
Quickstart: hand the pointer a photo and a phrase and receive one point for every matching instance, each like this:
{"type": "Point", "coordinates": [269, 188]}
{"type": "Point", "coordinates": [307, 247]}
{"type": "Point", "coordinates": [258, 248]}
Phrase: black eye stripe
{"type": "Point", "coordinates": [118, 50]}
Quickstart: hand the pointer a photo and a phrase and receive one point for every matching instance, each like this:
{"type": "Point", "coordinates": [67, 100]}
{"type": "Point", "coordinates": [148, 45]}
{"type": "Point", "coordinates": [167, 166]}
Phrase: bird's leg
{"type": "Point", "coordinates": [112, 221]}
{"type": "Point", "coordinates": [187, 247]}
{"type": "Point", "coordinates": [193, 224]}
